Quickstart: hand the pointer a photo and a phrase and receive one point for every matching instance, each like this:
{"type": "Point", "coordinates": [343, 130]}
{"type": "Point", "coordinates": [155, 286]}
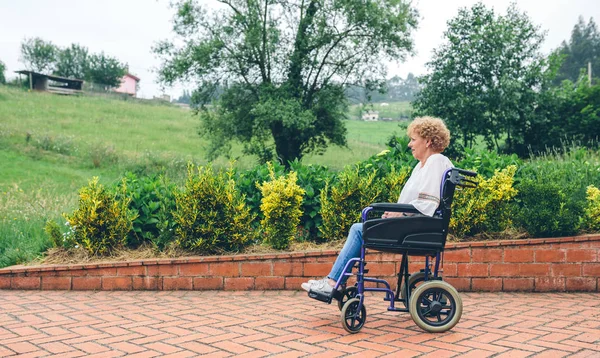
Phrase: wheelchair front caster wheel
{"type": "Point", "coordinates": [435, 306]}
{"type": "Point", "coordinates": [347, 294]}
{"type": "Point", "coordinates": [353, 319]}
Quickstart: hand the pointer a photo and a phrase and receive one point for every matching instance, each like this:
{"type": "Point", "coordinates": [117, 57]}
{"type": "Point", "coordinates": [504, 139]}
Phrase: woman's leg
{"type": "Point", "coordinates": [350, 250]}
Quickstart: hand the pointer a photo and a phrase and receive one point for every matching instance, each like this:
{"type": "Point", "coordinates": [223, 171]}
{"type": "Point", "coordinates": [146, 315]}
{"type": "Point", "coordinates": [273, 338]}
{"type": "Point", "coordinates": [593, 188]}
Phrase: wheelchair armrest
{"type": "Point", "coordinates": [404, 208]}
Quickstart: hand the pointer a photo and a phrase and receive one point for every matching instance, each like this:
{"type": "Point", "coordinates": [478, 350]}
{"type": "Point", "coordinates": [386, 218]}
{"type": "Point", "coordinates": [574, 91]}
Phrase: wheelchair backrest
{"type": "Point", "coordinates": [452, 178]}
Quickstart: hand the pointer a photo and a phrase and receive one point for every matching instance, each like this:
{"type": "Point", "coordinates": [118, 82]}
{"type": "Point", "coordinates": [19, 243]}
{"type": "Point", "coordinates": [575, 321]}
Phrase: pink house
{"type": "Point", "coordinates": [128, 85]}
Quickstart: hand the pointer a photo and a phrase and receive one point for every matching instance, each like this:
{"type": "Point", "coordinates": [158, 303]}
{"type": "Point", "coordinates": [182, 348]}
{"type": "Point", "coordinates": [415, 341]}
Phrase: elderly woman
{"type": "Point", "coordinates": [428, 138]}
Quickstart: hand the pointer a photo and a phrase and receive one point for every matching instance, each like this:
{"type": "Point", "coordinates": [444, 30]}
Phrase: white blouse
{"type": "Point", "coordinates": [422, 190]}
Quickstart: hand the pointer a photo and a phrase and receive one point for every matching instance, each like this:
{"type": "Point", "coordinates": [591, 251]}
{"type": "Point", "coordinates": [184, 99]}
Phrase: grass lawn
{"type": "Point", "coordinates": [50, 146]}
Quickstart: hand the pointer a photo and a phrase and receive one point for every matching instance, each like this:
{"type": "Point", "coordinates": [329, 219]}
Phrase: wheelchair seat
{"type": "Point", "coordinates": [417, 235]}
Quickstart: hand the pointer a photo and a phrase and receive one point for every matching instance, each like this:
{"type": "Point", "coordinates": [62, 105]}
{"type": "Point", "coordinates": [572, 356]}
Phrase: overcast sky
{"type": "Point", "coordinates": [127, 29]}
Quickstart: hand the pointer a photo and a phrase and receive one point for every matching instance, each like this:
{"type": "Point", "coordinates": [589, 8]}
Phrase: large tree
{"type": "Point", "coordinates": [105, 70]}
{"type": "Point", "coordinates": [38, 55]}
{"type": "Point", "coordinates": [284, 65]}
{"type": "Point", "coordinates": [582, 48]}
{"type": "Point", "coordinates": [72, 62]}
{"type": "Point", "coordinates": [485, 79]}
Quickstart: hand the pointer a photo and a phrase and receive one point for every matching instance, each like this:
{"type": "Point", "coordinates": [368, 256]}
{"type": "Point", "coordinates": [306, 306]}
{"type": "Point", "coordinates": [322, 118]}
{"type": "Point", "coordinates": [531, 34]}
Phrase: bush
{"type": "Point", "coordinates": [592, 209]}
{"type": "Point", "coordinates": [52, 229]}
{"type": "Point", "coordinates": [153, 199]}
{"type": "Point", "coordinates": [486, 162]}
{"type": "Point", "coordinates": [545, 211]}
{"type": "Point", "coordinates": [211, 215]}
{"type": "Point", "coordinates": [280, 205]}
{"type": "Point", "coordinates": [343, 199]}
{"type": "Point", "coordinates": [486, 207]}
{"type": "Point", "coordinates": [102, 221]}
{"type": "Point", "coordinates": [312, 179]}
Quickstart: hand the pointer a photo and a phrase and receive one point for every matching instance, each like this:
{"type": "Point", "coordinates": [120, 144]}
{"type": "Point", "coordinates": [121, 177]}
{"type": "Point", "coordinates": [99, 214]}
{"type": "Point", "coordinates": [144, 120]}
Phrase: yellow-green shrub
{"type": "Point", "coordinates": [393, 183]}
{"type": "Point", "coordinates": [485, 208]}
{"type": "Point", "coordinates": [342, 202]}
{"type": "Point", "coordinates": [280, 204]}
{"type": "Point", "coordinates": [592, 210]}
{"type": "Point", "coordinates": [210, 214]}
{"type": "Point", "coordinates": [101, 222]}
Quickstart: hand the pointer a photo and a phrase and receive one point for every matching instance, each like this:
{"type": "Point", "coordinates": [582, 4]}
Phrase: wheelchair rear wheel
{"type": "Point", "coordinates": [413, 281]}
{"type": "Point", "coordinates": [347, 294]}
{"type": "Point", "coordinates": [435, 306]}
{"type": "Point", "coordinates": [352, 319]}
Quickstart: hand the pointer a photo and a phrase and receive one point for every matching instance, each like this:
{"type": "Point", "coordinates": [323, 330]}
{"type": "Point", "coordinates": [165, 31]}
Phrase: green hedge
{"type": "Point", "coordinates": [548, 195]}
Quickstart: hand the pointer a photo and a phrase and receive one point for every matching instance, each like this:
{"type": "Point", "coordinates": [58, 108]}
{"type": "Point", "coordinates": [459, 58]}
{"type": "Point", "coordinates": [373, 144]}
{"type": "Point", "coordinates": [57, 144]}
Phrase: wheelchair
{"type": "Point", "coordinates": [434, 305]}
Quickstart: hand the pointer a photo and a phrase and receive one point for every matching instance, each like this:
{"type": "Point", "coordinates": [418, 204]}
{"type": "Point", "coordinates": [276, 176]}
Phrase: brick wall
{"type": "Point", "coordinates": [560, 264]}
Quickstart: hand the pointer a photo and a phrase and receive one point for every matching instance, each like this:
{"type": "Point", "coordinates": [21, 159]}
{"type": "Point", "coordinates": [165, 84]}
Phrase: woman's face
{"type": "Point", "coordinates": [419, 146]}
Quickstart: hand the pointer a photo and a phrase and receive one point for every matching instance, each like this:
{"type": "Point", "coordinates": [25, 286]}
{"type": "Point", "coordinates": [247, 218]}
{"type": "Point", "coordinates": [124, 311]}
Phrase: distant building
{"type": "Point", "coordinates": [370, 116]}
{"type": "Point", "coordinates": [53, 84]}
{"type": "Point", "coordinates": [128, 85]}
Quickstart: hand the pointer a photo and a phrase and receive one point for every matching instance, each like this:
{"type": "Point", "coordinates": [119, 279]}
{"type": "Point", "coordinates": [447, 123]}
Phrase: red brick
{"type": "Point", "coordinates": [567, 245]}
{"type": "Point", "coordinates": [108, 271]}
{"type": "Point", "coordinates": [546, 284]}
{"type": "Point", "coordinates": [449, 270]}
{"type": "Point", "coordinates": [550, 255]}
{"type": "Point", "coordinates": [72, 273]}
{"type": "Point", "coordinates": [253, 269]}
{"type": "Point", "coordinates": [504, 270]}
{"type": "Point", "coordinates": [583, 255]}
{"type": "Point", "coordinates": [517, 284]}
{"type": "Point", "coordinates": [460, 283]}
{"type": "Point", "coordinates": [147, 283]}
{"type": "Point", "coordinates": [461, 255]}
{"type": "Point", "coordinates": [487, 255]}
{"type": "Point", "coordinates": [193, 269]}
{"type": "Point", "coordinates": [317, 269]}
{"type": "Point", "coordinates": [227, 269]}
{"type": "Point", "coordinates": [293, 283]}
{"type": "Point", "coordinates": [387, 256]}
{"type": "Point", "coordinates": [487, 284]}
{"type": "Point", "coordinates": [4, 282]}
{"type": "Point", "coordinates": [518, 255]}
{"type": "Point", "coordinates": [87, 283]}
{"type": "Point", "coordinates": [162, 270]}
{"type": "Point", "coordinates": [472, 270]}
{"type": "Point", "coordinates": [534, 270]}
{"type": "Point", "coordinates": [591, 269]}
{"type": "Point", "coordinates": [116, 283]}
{"type": "Point", "coordinates": [131, 271]}
{"type": "Point", "coordinates": [208, 283]}
{"type": "Point", "coordinates": [565, 269]}
{"type": "Point", "coordinates": [177, 283]}
{"type": "Point", "coordinates": [25, 283]}
{"type": "Point", "coordinates": [239, 283]}
{"type": "Point", "coordinates": [56, 283]}
{"type": "Point", "coordinates": [269, 283]}
{"type": "Point", "coordinates": [287, 269]}
{"type": "Point", "coordinates": [412, 267]}
{"type": "Point", "coordinates": [380, 269]}
{"type": "Point", "coordinates": [582, 284]}
{"type": "Point", "coordinates": [591, 244]}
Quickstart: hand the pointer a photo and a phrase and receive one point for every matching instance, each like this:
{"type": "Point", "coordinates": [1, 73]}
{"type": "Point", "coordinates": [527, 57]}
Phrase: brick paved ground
{"type": "Point", "coordinates": [287, 324]}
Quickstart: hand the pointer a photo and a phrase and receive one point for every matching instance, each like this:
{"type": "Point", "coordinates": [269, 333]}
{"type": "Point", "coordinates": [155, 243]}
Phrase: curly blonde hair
{"type": "Point", "coordinates": [432, 129]}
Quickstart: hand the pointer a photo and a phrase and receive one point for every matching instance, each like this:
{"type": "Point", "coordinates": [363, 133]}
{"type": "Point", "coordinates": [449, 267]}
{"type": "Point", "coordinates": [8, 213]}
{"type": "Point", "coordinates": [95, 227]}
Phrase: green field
{"type": "Point", "coordinates": [50, 146]}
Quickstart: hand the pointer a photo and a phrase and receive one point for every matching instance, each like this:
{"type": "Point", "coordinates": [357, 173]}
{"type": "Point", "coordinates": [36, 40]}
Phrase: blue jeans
{"type": "Point", "coordinates": [350, 250]}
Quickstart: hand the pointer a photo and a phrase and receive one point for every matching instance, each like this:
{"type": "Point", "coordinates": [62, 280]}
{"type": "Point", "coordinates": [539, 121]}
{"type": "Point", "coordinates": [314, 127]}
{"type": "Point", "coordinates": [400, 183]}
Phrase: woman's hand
{"type": "Point", "coordinates": [391, 214]}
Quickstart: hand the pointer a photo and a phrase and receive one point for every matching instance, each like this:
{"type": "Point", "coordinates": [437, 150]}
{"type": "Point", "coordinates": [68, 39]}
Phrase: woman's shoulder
{"type": "Point", "coordinates": [439, 159]}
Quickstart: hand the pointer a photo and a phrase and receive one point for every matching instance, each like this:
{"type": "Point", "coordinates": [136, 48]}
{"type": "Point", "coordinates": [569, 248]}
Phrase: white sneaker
{"type": "Point", "coordinates": [307, 285]}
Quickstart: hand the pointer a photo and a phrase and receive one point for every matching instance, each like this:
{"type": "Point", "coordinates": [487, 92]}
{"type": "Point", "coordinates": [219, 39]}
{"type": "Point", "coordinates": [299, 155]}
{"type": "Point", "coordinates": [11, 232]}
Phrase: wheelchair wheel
{"type": "Point", "coordinates": [435, 306]}
{"type": "Point", "coordinates": [347, 294]}
{"type": "Point", "coordinates": [352, 320]}
{"type": "Point", "coordinates": [413, 281]}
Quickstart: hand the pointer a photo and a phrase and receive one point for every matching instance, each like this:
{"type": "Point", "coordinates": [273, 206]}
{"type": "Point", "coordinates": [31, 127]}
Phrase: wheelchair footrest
{"type": "Point", "coordinates": [325, 298]}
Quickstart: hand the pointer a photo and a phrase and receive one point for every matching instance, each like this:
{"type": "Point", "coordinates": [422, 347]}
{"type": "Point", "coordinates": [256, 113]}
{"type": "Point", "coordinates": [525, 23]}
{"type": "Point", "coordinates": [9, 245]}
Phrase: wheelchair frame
{"type": "Point", "coordinates": [432, 296]}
